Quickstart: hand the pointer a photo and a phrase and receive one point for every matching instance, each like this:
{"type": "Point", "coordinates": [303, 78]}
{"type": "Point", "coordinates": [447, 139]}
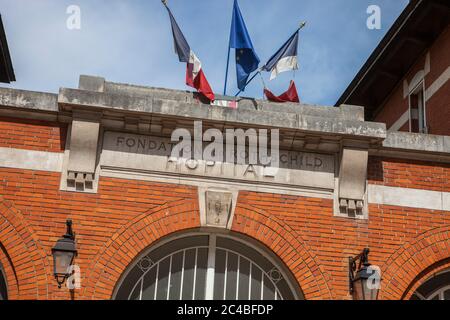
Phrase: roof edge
{"type": "Point", "coordinates": [379, 50]}
{"type": "Point", "coordinates": [5, 55]}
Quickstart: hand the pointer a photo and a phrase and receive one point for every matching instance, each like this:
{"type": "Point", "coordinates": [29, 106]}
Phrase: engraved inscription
{"type": "Point", "coordinates": [154, 154]}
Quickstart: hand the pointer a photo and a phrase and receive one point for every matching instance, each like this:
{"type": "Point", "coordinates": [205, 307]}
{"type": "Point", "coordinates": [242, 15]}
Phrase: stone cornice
{"type": "Point", "coordinates": [146, 110]}
{"type": "Point", "coordinates": [122, 106]}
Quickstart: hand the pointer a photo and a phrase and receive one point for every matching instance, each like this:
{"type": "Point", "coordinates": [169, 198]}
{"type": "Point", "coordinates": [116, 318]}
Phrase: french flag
{"type": "Point", "coordinates": [285, 59]}
{"type": "Point", "coordinates": [195, 77]}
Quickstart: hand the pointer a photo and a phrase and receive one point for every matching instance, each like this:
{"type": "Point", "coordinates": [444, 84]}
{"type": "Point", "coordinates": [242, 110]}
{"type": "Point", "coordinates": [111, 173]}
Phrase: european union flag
{"type": "Point", "coordinates": [246, 59]}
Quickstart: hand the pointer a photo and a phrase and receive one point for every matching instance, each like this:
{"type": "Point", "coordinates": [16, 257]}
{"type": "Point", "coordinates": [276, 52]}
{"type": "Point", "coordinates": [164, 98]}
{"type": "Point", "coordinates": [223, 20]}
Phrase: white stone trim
{"type": "Point", "coordinates": [383, 195]}
{"type": "Point", "coordinates": [446, 201]}
{"type": "Point", "coordinates": [400, 122]}
{"type": "Point", "coordinates": [411, 198]}
{"type": "Point", "coordinates": [427, 67]}
{"type": "Point", "coordinates": [407, 88]}
{"type": "Point", "coordinates": [439, 83]}
{"type": "Point", "coordinates": [31, 160]}
{"type": "Point", "coordinates": [416, 81]}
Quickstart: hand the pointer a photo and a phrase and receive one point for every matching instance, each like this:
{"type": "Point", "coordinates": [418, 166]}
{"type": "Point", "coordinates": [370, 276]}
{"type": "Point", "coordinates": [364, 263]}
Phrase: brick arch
{"type": "Point", "coordinates": [129, 242]}
{"type": "Point", "coordinates": [24, 260]}
{"type": "Point", "coordinates": [411, 264]}
{"type": "Point", "coordinates": [9, 272]}
{"type": "Point", "coordinates": [143, 231]}
{"type": "Point", "coordinates": [424, 276]}
{"type": "Point", "coordinates": [287, 244]}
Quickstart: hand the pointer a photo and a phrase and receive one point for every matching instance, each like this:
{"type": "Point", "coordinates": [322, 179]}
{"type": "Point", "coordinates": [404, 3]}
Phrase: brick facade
{"type": "Point", "coordinates": [409, 174]}
{"type": "Point", "coordinates": [32, 134]}
{"type": "Point", "coordinates": [437, 106]}
{"type": "Point", "coordinates": [127, 216]}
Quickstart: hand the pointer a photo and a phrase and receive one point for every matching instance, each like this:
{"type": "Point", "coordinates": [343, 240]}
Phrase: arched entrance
{"type": "Point", "coordinates": [435, 288]}
{"type": "Point", "coordinates": [207, 266]}
{"type": "Point", "coordinates": [3, 286]}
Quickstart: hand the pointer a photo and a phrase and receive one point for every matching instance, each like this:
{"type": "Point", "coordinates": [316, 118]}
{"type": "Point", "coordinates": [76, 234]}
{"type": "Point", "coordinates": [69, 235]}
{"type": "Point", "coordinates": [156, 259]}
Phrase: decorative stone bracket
{"type": "Point", "coordinates": [217, 207]}
{"type": "Point", "coordinates": [80, 169]}
{"type": "Point", "coordinates": [353, 182]}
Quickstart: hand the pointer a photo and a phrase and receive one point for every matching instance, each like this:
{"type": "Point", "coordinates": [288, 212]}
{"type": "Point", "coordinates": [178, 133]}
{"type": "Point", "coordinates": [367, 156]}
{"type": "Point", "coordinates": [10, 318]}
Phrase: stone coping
{"type": "Point", "coordinates": [99, 95]}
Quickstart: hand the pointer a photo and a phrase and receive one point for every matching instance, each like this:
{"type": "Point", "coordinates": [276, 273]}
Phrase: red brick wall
{"type": "Point", "coordinates": [440, 59]}
{"type": "Point", "coordinates": [97, 219]}
{"type": "Point", "coordinates": [126, 217]}
{"type": "Point", "coordinates": [409, 174]}
{"type": "Point", "coordinates": [438, 107]}
{"type": "Point", "coordinates": [438, 111]}
{"type": "Point", "coordinates": [330, 240]}
{"type": "Point", "coordinates": [394, 108]}
{"type": "Point", "coordinates": [32, 135]}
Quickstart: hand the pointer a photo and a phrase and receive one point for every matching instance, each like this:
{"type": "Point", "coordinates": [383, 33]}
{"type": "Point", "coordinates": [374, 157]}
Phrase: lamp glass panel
{"type": "Point", "coordinates": [369, 290]}
{"type": "Point", "coordinates": [368, 293]}
{"type": "Point", "coordinates": [62, 261]}
{"type": "Point", "coordinates": [358, 290]}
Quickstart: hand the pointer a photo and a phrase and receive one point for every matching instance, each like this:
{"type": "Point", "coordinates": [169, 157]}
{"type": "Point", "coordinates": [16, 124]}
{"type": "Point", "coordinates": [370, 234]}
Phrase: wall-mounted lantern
{"type": "Point", "coordinates": [364, 279]}
{"type": "Point", "coordinates": [64, 252]}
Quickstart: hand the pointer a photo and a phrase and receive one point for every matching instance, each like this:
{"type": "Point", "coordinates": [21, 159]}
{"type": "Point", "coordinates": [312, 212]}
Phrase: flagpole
{"type": "Point", "coordinates": [226, 74]}
{"type": "Point", "coordinates": [228, 60]}
{"type": "Point", "coordinates": [251, 79]}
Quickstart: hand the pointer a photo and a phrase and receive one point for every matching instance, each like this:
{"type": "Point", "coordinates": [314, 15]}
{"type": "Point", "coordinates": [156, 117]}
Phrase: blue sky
{"type": "Point", "coordinates": [130, 41]}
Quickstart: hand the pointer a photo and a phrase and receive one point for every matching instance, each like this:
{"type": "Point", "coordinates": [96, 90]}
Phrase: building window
{"type": "Point", "coordinates": [206, 267]}
{"type": "Point", "coordinates": [3, 287]}
{"type": "Point", "coordinates": [436, 288]}
{"type": "Point", "coordinates": [417, 114]}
